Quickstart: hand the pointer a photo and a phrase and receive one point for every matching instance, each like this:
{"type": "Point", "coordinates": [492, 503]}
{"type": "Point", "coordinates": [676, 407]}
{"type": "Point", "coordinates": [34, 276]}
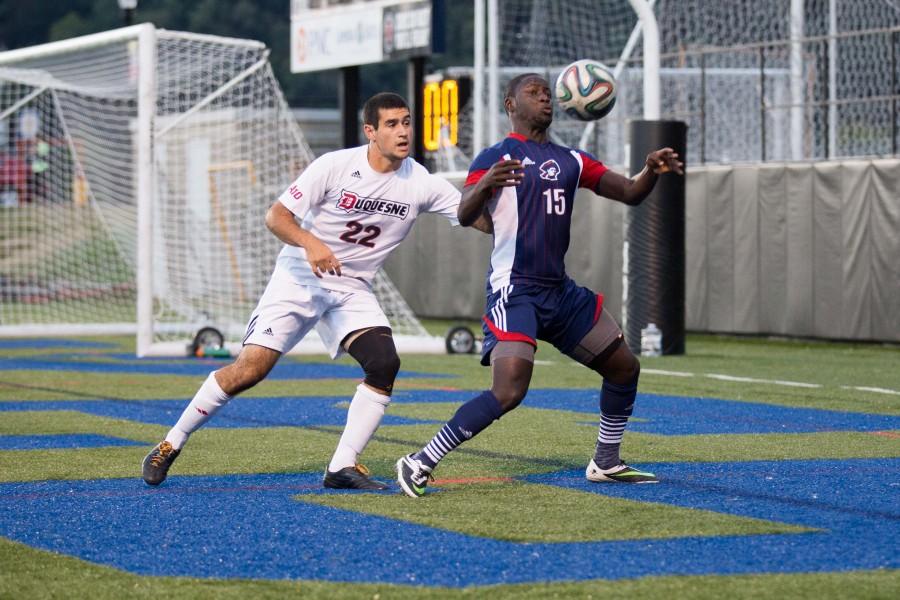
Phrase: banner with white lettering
{"type": "Point", "coordinates": [359, 34]}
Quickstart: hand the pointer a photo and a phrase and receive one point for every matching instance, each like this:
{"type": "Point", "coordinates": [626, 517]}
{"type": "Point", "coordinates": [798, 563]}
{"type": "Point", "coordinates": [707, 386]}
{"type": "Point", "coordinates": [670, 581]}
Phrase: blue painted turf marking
{"type": "Point", "coordinates": [29, 343]}
{"type": "Point", "coordinates": [659, 415]}
{"type": "Point", "coordinates": [251, 527]}
{"type": "Point", "coordinates": [62, 440]}
{"type": "Point", "coordinates": [283, 370]}
{"type": "Point", "coordinates": [294, 411]}
{"type": "Point", "coordinates": [679, 415]}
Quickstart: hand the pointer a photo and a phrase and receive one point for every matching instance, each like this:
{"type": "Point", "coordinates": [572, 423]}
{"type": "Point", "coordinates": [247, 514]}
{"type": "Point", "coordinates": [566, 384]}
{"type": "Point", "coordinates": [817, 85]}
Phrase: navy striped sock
{"type": "Point", "coordinates": [609, 440]}
{"type": "Point", "coordinates": [470, 419]}
{"type": "Point", "coordinates": [616, 405]}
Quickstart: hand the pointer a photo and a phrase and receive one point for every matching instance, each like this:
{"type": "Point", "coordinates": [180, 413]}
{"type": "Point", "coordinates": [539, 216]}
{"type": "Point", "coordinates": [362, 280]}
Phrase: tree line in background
{"type": "Point", "coordinates": [31, 22]}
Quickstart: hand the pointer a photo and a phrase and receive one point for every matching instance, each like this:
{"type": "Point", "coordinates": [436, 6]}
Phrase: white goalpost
{"type": "Point", "coordinates": [136, 168]}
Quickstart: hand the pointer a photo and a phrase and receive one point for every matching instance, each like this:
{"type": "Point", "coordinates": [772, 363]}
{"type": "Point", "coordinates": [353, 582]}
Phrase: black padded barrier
{"type": "Point", "coordinates": [654, 232]}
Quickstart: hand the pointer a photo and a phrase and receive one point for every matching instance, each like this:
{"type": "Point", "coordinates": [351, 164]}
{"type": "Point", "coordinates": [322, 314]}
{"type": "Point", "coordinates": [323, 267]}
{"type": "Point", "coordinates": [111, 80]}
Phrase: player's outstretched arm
{"type": "Point", "coordinates": [505, 173]}
{"type": "Point", "coordinates": [633, 191]}
{"type": "Point", "coordinates": [280, 221]}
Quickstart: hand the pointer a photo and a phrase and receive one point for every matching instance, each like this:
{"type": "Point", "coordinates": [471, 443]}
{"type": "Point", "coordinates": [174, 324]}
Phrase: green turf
{"type": "Point", "coordinates": [527, 441]}
{"type": "Point", "coordinates": [492, 509]}
{"type": "Point", "coordinates": [34, 574]}
{"type": "Point", "coordinates": [514, 446]}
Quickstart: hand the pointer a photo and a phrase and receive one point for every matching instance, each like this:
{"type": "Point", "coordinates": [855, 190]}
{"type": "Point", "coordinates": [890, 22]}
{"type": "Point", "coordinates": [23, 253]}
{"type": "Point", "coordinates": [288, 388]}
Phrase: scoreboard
{"type": "Point", "coordinates": [442, 100]}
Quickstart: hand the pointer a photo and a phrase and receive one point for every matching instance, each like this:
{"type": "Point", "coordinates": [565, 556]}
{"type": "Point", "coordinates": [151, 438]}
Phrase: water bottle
{"type": "Point", "coordinates": [651, 340]}
{"type": "Point", "coordinates": [213, 352]}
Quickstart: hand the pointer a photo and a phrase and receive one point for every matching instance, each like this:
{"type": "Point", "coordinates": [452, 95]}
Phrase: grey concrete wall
{"type": "Point", "coordinates": [798, 249]}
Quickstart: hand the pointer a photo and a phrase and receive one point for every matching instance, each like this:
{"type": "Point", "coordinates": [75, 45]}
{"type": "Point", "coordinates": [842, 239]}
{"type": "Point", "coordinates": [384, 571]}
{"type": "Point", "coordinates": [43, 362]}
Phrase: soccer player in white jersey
{"type": "Point", "coordinates": [355, 206]}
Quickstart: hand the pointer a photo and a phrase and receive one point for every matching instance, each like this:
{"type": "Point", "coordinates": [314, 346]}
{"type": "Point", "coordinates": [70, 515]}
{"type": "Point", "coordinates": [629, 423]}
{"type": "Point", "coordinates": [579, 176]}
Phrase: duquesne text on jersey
{"type": "Point", "coordinates": [352, 202]}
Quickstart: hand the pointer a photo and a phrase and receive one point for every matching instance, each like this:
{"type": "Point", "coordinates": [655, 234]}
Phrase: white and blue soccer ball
{"type": "Point", "coordinates": [586, 90]}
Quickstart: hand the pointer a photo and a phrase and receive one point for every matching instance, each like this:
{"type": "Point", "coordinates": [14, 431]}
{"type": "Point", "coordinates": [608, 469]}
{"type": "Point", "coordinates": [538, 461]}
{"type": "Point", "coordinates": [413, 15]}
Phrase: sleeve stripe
{"type": "Point", "coordinates": [591, 171]}
{"type": "Point", "coordinates": [474, 177]}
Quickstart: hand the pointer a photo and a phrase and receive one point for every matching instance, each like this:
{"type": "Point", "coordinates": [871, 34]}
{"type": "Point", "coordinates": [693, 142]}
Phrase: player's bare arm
{"type": "Point", "coordinates": [505, 173]}
{"type": "Point", "coordinates": [483, 223]}
{"type": "Point", "coordinates": [632, 191]}
{"type": "Point", "coordinates": [280, 222]}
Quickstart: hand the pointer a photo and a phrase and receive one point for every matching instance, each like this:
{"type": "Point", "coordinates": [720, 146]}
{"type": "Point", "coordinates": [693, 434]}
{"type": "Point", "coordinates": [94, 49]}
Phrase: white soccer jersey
{"type": "Point", "coordinates": [359, 213]}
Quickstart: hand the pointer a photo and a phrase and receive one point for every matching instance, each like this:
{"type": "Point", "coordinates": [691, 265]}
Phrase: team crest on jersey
{"type": "Point", "coordinates": [549, 170]}
{"type": "Point", "coordinates": [354, 203]}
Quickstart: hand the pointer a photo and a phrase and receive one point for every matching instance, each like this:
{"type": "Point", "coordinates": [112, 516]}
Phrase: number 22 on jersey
{"type": "Point", "coordinates": [354, 228]}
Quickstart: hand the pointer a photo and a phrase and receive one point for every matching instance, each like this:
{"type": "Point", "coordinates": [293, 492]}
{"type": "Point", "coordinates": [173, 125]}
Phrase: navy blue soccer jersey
{"type": "Point", "coordinates": [532, 220]}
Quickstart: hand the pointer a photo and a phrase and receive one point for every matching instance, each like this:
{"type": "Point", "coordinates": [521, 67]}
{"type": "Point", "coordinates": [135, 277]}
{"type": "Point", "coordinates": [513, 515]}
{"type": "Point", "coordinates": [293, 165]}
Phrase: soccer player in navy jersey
{"type": "Point", "coordinates": [526, 186]}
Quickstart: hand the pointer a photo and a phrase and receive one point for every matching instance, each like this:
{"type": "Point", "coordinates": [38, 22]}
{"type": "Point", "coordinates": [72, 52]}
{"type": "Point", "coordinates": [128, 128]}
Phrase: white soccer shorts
{"type": "Point", "coordinates": [287, 311]}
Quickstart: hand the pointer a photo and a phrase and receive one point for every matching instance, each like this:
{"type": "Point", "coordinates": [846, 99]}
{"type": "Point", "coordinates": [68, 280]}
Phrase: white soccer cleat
{"type": "Point", "coordinates": [621, 473]}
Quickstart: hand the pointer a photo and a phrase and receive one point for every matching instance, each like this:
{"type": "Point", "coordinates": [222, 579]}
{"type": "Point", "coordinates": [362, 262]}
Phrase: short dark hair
{"type": "Point", "coordinates": [384, 100]}
{"type": "Point", "coordinates": [513, 86]}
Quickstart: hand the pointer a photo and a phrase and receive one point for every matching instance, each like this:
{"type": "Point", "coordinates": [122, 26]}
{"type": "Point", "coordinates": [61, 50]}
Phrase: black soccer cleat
{"type": "Point", "coordinates": [156, 464]}
{"type": "Point", "coordinates": [352, 478]}
{"type": "Point", "coordinates": [413, 476]}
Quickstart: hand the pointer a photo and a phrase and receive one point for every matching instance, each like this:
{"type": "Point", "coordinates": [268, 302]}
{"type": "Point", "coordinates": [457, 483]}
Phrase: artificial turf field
{"type": "Point", "coordinates": [779, 460]}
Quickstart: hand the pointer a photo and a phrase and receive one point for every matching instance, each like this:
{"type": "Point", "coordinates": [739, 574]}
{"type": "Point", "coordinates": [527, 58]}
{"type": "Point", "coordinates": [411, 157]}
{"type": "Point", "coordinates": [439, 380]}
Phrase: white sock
{"type": "Point", "coordinates": [208, 399]}
{"type": "Point", "coordinates": [363, 418]}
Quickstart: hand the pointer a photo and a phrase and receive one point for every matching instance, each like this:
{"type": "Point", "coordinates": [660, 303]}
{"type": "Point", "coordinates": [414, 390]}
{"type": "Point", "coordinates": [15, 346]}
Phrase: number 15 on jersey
{"type": "Point", "coordinates": [556, 201]}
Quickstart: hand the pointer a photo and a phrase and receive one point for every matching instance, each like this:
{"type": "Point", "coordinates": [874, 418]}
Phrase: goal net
{"type": "Point", "coordinates": [136, 168]}
{"type": "Point", "coordinates": [753, 80]}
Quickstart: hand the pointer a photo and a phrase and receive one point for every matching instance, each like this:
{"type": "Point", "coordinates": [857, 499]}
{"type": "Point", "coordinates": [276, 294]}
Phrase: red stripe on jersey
{"type": "Point", "coordinates": [599, 308]}
{"type": "Point", "coordinates": [507, 336]}
{"type": "Point", "coordinates": [474, 177]}
{"type": "Point", "coordinates": [591, 172]}
{"type": "Point", "coordinates": [518, 136]}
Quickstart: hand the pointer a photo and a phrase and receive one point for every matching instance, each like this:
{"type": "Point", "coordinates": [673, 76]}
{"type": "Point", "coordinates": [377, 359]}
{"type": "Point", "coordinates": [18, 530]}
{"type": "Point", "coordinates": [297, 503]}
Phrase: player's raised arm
{"type": "Point", "coordinates": [633, 191]}
{"type": "Point", "coordinates": [505, 173]}
{"type": "Point", "coordinates": [280, 221]}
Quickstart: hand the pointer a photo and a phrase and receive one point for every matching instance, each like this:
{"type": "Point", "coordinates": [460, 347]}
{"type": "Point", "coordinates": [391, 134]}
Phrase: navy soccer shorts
{"type": "Point", "coordinates": [561, 315]}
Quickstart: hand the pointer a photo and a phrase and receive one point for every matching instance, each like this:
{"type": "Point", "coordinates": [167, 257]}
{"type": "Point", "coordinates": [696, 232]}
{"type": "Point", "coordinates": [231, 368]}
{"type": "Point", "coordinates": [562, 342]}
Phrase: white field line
{"type": "Point", "coordinates": [734, 378]}
{"type": "Point", "coordinates": [877, 390]}
{"type": "Point", "coordinates": [801, 384]}
{"type": "Point", "coordinates": [772, 381]}
{"type": "Point", "coordinates": [669, 373]}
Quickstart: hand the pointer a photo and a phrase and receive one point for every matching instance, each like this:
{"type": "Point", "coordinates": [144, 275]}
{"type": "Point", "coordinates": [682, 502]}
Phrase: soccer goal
{"type": "Point", "coordinates": [136, 168]}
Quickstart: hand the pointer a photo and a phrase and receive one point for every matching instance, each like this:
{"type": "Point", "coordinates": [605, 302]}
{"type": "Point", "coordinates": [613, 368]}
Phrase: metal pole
{"type": "Point", "coordinates": [762, 102]}
{"type": "Point", "coordinates": [650, 31]}
{"type": "Point", "coordinates": [828, 140]}
{"type": "Point", "coordinates": [493, 23]}
{"type": "Point", "coordinates": [702, 108]}
{"type": "Point", "coordinates": [415, 79]}
{"type": "Point", "coordinates": [894, 92]}
{"type": "Point", "coordinates": [832, 79]}
{"type": "Point", "coordinates": [796, 61]}
{"type": "Point", "coordinates": [478, 81]}
{"type": "Point", "coordinates": [146, 191]}
{"type": "Point", "coordinates": [651, 58]}
{"type": "Point", "coordinates": [349, 99]}
{"type": "Point", "coordinates": [616, 72]}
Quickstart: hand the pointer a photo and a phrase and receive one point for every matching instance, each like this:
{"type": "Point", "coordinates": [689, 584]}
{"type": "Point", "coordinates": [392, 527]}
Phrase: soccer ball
{"type": "Point", "coordinates": [586, 90]}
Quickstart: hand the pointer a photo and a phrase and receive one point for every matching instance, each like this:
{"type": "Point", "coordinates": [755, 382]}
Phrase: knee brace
{"type": "Point", "coordinates": [374, 350]}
